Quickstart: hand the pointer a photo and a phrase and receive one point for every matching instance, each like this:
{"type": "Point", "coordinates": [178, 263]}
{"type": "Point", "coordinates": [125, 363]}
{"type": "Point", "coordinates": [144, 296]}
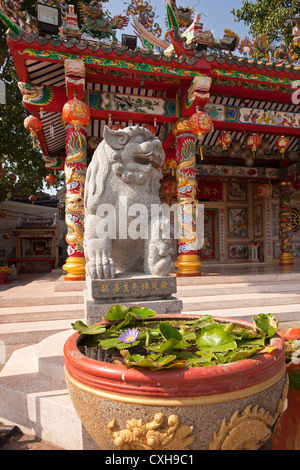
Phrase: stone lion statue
{"type": "Point", "coordinates": [123, 173]}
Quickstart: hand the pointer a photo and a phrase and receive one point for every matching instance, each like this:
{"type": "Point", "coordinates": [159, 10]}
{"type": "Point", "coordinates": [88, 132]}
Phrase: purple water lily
{"type": "Point", "coordinates": [129, 336]}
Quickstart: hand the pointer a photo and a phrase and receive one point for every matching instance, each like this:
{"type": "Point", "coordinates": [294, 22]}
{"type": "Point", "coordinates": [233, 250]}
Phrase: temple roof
{"type": "Point", "coordinates": [244, 90]}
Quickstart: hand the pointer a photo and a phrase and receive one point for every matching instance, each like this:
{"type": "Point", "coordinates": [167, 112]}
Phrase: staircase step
{"type": "Point", "coordinates": [220, 279]}
{"type": "Point", "coordinates": [33, 332]}
{"type": "Point", "coordinates": [238, 287]}
{"type": "Point", "coordinates": [37, 299]}
{"type": "Point", "coordinates": [239, 301]}
{"type": "Point", "coordinates": [36, 313]}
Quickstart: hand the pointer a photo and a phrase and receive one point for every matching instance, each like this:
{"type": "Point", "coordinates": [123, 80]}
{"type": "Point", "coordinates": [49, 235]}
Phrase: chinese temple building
{"type": "Point", "coordinates": [228, 122]}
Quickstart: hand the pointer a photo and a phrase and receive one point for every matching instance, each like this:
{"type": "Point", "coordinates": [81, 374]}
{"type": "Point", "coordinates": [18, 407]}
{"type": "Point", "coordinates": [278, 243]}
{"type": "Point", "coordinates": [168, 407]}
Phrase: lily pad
{"type": "Point", "coordinates": [84, 329]}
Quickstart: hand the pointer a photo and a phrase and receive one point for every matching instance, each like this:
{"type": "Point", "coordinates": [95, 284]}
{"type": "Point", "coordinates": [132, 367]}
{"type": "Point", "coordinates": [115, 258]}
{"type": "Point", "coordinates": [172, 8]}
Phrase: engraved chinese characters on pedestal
{"type": "Point", "coordinates": [122, 187]}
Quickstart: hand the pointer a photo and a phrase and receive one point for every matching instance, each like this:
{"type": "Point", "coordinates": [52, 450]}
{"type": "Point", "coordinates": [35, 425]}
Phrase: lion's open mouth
{"type": "Point", "coordinates": [147, 159]}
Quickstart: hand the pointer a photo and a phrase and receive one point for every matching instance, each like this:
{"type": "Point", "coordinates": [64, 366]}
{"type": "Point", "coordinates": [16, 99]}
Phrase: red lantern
{"type": "Point", "coordinates": [50, 179]}
{"type": "Point", "coordinates": [169, 187]}
{"type": "Point", "coordinates": [225, 140]}
{"type": "Point", "coordinates": [253, 142]}
{"type": "Point", "coordinates": [117, 126]}
{"type": "Point", "coordinates": [200, 124]}
{"type": "Point", "coordinates": [6, 236]}
{"type": "Point", "coordinates": [150, 128]}
{"type": "Point", "coordinates": [282, 144]}
{"type": "Point", "coordinates": [76, 113]}
{"type": "Point", "coordinates": [32, 199]}
{"type": "Point", "coordinates": [34, 125]}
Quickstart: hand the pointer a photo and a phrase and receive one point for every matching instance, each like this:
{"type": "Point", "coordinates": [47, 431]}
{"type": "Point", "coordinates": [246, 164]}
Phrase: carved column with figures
{"type": "Point", "coordinates": [76, 116]}
{"type": "Point", "coordinates": [188, 260]}
{"type": "Point", "coordinates": [285, 224]}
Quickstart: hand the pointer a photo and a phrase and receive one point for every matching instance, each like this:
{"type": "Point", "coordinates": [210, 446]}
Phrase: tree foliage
{"type": "Point", "coordinates": [273, 18]}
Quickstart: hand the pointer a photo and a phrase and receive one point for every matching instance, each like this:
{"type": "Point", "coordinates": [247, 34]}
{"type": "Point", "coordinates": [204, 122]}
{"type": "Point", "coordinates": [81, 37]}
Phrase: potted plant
{"type": "Point", "coordinates": [4, 273]}
{"type": "Point", "coordinates": [287, 430]}
{"type": "Point", "coordinates": [153, 382]}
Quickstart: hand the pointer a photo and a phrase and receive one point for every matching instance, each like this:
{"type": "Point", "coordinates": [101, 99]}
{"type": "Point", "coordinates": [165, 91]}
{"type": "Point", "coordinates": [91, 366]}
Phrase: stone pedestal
{"type": "Point", "coordinates": [131, 290]}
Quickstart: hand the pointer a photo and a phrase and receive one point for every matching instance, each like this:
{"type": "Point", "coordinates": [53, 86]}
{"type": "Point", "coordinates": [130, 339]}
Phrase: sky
{"type": "Point", "coordinates": [215, 14]}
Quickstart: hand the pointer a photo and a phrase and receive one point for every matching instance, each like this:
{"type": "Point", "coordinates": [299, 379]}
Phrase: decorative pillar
{"type": "Point", "coordinates": [75, 173]}
{"type": "Point", "coordinates": [188, 260]}
{"type": "Point", "coordinates": [76, 116]}
{"type": "Point", "coordinates": [285, 224]}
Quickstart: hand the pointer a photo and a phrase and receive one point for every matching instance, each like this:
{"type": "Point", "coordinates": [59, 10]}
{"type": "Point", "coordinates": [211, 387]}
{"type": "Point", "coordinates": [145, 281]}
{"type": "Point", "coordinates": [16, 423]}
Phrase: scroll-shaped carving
{"type": "Point", "coordinates": [159, 434]}
{"type": "Point", "coordinates": [249, 429]}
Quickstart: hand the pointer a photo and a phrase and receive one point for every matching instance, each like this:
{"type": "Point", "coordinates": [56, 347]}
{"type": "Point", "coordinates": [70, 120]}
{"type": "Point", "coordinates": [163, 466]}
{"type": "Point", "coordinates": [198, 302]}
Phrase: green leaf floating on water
{"type": "Point", "coordinates": [141, 312]}
{"type": "Point", "coordinates": [84, 329]}
{"type": "Point", "coordinates": [169, 332]}
{"type": "Point", "coordinates": [116, 313]}
{"type": "Point", "coordinates": [215, 338]}
{"type": "Point", "coordinates": [175, 342]}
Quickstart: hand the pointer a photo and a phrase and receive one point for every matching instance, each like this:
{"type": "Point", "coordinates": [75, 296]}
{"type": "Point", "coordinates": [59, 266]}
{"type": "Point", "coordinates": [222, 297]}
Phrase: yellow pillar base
{"type": "Point", "coordinates": [188, 265]}
{"type": "Point", "coordinates": [75, 267]}
{"type": "Point", "coordinates": [286, 258]}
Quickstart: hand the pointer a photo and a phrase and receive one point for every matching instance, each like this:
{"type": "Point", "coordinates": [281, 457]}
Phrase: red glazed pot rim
{"type": "Point", "coordinates": [290, 334]}
{"type": "Point", "coordinates": [193, 382]}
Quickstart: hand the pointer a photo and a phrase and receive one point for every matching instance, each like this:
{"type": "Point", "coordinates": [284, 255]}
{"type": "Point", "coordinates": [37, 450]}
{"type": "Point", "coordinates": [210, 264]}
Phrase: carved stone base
{"type": "Point", "coordinates": [131, 290]}
{"type": "Point", "coordinates": [96, 311]}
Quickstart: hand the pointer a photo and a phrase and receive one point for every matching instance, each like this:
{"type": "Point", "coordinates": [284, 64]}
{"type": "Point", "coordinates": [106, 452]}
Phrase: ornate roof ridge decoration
{"type": "Point", "coordinates": [16, 19]}
{"type": "Point", "coordinates": [125, 54]}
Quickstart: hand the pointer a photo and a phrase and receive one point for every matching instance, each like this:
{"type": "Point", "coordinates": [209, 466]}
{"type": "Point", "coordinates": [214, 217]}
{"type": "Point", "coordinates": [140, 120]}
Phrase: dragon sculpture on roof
{"type": "Point", "coordinates": [15, 18]}
{"type": "Point", "coordinates": [95, 23]}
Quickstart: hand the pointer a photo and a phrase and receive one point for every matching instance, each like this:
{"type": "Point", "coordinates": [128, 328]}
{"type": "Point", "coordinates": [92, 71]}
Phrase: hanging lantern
{"type": "Point", "coordinates": [116, 126]}
{"type": "Point", "coordinates": [224, 140]}
{"type": "Point", "coordinates": [173, 167]}
{"type": "Point", "coordinates": [263, 191]}
{"type": "Point", "coordinates": [32, 199]}
{"type": "Point", "coordinates": [169, 187]}
{"type": "Point", "coordinates": [200, 124]}
{"type": "Point", "coordinates": [282, 144]}
{"type": "Point", "coordinates": [34, 125]}
{"type": "Point", "coordinates": [50, 179]}
{"type": "Point", "coordinates": [2, 214]}
{"type": "Point", "coordinates": [150, 128]}
{"type": "Point", "coordinates": [76, 113]}
{"type": "Point", "coordinates": [253, 142]}
{"type": "Point", "coordinates": [6, 236]}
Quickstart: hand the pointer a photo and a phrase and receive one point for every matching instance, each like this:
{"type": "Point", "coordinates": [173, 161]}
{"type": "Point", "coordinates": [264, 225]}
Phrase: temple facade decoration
{"type": "Point", "coordinates": [245, 170]}
{"type": "Point", "coordinates": [285, 224]}
{"type": "Point", "coordinates": [36, 244]}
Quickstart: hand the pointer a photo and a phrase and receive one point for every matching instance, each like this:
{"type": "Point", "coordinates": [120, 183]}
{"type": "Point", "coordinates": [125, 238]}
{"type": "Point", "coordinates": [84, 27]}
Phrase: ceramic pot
{"type": "Point", "coordinates": [230, 406]}
{"type": "Point", "coordinates": [287, 430]}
